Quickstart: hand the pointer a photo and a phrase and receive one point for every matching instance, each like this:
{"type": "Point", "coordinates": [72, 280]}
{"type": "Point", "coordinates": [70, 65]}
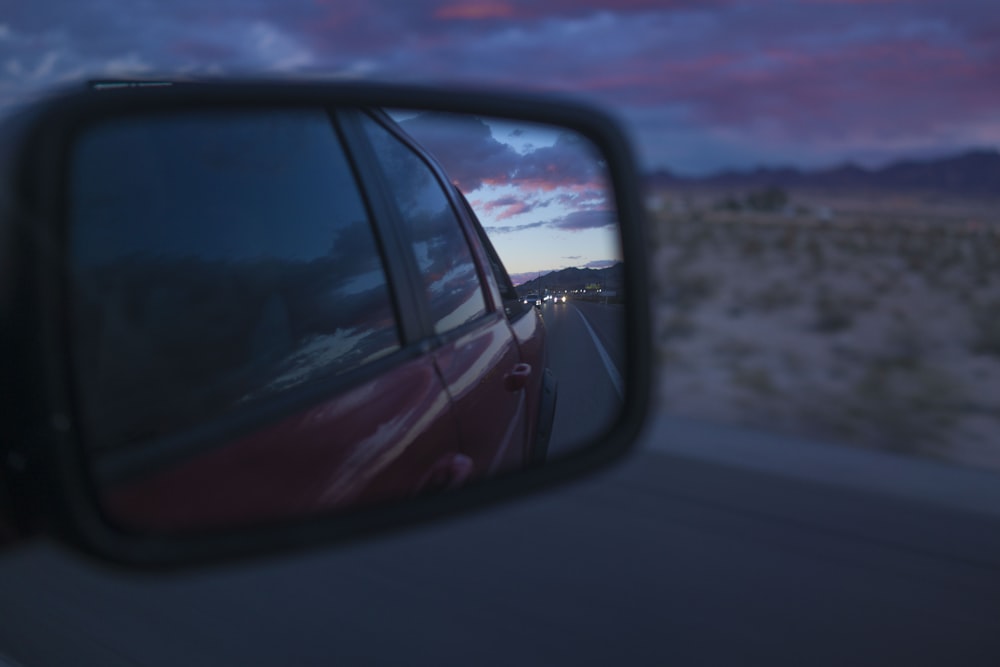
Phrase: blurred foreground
{"type": "Point", "coordinates": [708, 546]}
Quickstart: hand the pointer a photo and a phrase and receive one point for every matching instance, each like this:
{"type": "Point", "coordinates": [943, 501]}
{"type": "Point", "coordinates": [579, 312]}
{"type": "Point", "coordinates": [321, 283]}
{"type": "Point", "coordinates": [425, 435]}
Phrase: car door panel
{"type": "Point", "coordinates": [528, 331]}
{"type": "Point", "coordinates": [376, 442]}
{"type": "Point", "coordinates": [492, 420]}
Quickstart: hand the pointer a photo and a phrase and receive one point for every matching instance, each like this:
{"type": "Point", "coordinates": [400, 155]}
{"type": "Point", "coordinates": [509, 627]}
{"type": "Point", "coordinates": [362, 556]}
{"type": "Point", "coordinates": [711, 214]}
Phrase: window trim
{"type": "Point", "coordinates": [402, 272]}
{"type": "Point", "coordinates": [493, 257]}
{"type": "Point", "coordinates": [485, 281]}
{"type": "Point", "coordinates": [458, 203]}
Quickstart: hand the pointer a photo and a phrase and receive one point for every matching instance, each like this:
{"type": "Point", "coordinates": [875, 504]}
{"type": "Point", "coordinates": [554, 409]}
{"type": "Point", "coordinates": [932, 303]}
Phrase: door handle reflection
{"type": "Point", "coordinates": [517, 378]}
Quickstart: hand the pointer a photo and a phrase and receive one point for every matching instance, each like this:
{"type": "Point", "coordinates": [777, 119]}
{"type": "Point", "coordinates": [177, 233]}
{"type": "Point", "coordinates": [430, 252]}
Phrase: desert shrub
{"type": "Point", "coordinates": [730, 203]}
{"type": "Point", "coordinates": [851, 243]}
{"type": "Point", "coordinates": [788, 239]}
{"type": "Point", "coordinates": [815, 253]}
{"type": "Point", "coordinates": [776, 296]}
{"type": "Point", "coordinates": [669, 231]}
{"type": "Point", "coordinates": [983, 265]}
{"type": "Point", "coordinates": [904, 346]}
{"type": "Point", "coordinates": [768, 199]}
{"type": "Point", "coordinates": [754, 379]}
{"type": "Point", "coordinates": [667, 355]}
{"type": "Point", "coordinates": [792, 361]}
{"type": "Point", "coordinates": [986, 328]}
{"type": "Point", "coordinates": [915, 258]}
{"type": "Point", "coordinates": [687, 290]}
{"type": "Point", "coordinates": [677, 325]}
{"type": "Point", "coordinates": [733, 349]}
{"type": "Point", "coordinates": [905, 408]}
{"type": "Point", "coordinates": [735, 310]}
{"type": "Point", "coordinates": [832, 314]}
{"type": "Point", "coordinates": [752, 247]}
{"type": "Point", "coordinates": [688, 249]}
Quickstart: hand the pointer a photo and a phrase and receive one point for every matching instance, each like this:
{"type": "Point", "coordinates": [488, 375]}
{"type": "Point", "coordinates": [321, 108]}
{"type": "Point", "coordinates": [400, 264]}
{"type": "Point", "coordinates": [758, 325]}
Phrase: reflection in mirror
{"type": "Point", "coordinates": [282, 312]}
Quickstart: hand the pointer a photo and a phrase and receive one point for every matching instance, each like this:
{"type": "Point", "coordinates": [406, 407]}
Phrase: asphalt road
{"type": "Point", "coordinates": [586, 354]}
{"type": "Point", "coordinates": [671, 558]}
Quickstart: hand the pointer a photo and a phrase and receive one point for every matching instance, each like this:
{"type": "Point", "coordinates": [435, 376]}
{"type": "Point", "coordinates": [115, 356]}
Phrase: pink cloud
{"type": "Point", "coordinates": [514, 210]}
{"type": "Point", "coordinates": [586, 219]}
{"type": "Point", "coordinates": [474, 10]}
{"type": "Point", "coordinates": [508, 207]}
{"type": "Point", "coordinates": [533, 9]}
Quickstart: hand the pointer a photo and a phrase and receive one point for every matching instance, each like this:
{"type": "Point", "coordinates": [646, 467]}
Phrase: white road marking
{"type": "Point", "coordinates": [609, 366]}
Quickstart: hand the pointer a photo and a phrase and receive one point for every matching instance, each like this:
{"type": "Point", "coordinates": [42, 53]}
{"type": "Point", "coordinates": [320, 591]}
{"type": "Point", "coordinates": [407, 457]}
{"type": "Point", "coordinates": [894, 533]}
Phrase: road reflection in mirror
{"type": "Point", "coordinates": [278, 313]}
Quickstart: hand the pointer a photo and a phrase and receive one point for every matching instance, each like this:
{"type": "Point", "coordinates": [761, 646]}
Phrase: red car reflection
{"type": "Point", "coordinates": [321, 403]}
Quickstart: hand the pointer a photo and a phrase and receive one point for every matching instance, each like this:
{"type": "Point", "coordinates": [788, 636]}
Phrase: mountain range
{"type": "Point", "coordinates": [972, 173]}
{"type": "Point", "coordinates": [610, 278]}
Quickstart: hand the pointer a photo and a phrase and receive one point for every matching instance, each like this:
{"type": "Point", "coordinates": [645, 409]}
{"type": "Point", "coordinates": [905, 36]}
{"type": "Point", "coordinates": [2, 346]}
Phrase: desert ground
{"type": "Point", "coordinates": [870, 320]}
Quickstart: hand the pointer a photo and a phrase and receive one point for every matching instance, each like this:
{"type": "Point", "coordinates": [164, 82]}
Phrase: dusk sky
{"type": "Point", "coordinates": [702, 85]}
{"type": "Point", "coordinates": [541, 193]}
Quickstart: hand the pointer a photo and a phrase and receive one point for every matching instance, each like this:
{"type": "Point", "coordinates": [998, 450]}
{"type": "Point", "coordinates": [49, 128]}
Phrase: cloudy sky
{"type": "Point", "coordinates": [703, 85]}
{"type": "Point", "coordinates": [542, 193]}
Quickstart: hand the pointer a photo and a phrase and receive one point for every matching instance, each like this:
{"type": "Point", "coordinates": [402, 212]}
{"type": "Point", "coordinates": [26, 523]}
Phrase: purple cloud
{"type": "Point", "coordinates": [465, 147]}
{"type": "Point", "coordinates": [585, 219]}
{"type": "Point", "coordinates": [704, 85]}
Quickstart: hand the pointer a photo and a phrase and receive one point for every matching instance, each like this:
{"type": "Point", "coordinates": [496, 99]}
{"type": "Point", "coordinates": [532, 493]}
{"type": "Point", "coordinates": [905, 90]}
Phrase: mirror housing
{"type": "Point", "coordinates": [47, 472]}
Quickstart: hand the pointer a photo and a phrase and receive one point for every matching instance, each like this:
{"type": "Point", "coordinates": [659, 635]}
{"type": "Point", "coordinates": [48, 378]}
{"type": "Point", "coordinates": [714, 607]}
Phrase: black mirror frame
{"type": "Point", "coordinates": [44, 464]}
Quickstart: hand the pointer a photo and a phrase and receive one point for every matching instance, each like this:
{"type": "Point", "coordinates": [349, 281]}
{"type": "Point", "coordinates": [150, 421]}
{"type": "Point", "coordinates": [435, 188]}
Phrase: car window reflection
{"type": "Point", "coordinates": [441, 250]}
{"type": "Point", "coordinates": [217, 258]}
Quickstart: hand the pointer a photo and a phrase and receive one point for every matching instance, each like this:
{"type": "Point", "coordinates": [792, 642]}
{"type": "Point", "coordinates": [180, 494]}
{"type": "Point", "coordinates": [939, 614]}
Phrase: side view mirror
{"type": "Point", "coordinates": [241, 317]}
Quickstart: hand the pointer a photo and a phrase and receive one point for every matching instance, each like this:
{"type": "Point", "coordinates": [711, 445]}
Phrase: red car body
{"type": "Point", "coordinates": [452, 421]}
{"type": "Point", "coordinates": [443, 410]}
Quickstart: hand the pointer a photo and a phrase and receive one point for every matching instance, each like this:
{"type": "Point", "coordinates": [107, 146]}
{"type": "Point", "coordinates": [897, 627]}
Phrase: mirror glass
{"type": "Point", "coordinates": [277, 313]}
